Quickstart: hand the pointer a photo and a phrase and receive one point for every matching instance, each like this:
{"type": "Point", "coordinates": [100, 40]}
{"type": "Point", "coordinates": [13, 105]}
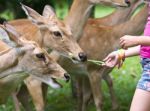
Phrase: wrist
{"type": "Point", "coordinates": [121, 54]}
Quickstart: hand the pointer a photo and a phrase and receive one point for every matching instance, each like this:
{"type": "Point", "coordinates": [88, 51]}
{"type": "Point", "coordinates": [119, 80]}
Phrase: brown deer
{"type": "Point", "coordinates": [101, 40]}
{"type": "Point", "coordinates": [30, 60]}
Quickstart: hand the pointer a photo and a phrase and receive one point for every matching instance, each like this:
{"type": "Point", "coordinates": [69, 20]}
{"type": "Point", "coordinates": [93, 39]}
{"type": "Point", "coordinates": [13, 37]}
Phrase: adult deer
{"type": "Point", "coordinates": [31, 59]}
{"type": "Point", "coordinates": [98, 41]}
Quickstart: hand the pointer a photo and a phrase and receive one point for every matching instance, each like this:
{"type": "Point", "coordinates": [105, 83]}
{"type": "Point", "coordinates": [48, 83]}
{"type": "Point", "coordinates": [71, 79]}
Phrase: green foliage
{"type": "Point", "coordinates": [103, 11]}
{"type": "Point", "coordinates": [7, 14]}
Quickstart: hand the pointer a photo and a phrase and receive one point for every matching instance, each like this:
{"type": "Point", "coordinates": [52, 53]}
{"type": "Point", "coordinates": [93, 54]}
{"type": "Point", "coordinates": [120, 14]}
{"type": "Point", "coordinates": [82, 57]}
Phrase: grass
{"type": "Point", "coordinates": [124, 80]}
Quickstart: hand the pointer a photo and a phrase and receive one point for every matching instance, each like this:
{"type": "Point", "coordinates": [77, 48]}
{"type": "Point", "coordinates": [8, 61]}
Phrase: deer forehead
{"type": "Point", "coordinates": [60, 26]}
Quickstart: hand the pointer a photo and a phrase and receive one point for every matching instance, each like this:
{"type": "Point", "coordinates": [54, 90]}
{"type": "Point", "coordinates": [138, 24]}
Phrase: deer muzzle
{"type": "Point", "coordinates": [67, 77]}
{"type": "Point", "coordinates": [82, 56]}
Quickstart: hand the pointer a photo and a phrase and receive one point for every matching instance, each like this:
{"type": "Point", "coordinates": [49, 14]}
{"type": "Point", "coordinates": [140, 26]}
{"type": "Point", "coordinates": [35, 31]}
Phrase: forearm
{"type": "Point", "coordinates": [143, 40]}
{"type": "Point", "coordinates": [133, 51]}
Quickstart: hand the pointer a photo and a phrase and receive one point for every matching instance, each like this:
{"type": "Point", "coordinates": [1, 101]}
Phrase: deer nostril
{"type": "Point", "coordinates": [128, 2]}
{"type": "Point", "coordinates": [67, 77]}
{"type": "Point", "coordinates": [83, 56]}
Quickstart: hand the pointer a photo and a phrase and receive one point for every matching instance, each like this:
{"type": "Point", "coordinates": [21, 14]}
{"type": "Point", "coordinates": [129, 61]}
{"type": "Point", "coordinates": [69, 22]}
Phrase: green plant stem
{"type": "Point", "coordinates": [96, 62]}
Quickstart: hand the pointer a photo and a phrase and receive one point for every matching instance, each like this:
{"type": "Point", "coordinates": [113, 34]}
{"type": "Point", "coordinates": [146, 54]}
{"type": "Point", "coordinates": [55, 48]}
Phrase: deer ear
{"type": "Point", "coordinates": [34, 16]}
{"type": "Point", "coordinates": [13, 34]}
{"type": "Point", "coordinates": [48, 12]}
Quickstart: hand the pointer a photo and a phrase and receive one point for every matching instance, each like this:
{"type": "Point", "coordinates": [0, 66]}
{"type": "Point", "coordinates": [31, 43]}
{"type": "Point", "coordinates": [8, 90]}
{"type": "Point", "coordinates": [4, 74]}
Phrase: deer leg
{"type": "Point", "coordinates": [109, 82]}
{"type": "Point", "coordinates": [44, 91]}
{"type": "Point", "coordinates": [23, 97]}
{"type": "Point", "coordinates": [16, 102]}
{"type": "Point", "coordinates": [74, 85]}
{"type": "Point", "coordinates": [79, 93]}
{"type": "Point", "coordinates": [35, 89]}
{"type": "Point", "coordinates": [95, 81]}
{"type": "Point", "coordinates": [87, 94]}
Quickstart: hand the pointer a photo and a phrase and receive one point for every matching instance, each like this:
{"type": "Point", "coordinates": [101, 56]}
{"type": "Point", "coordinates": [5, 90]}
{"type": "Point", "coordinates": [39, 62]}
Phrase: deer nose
{"type": "Point", "coordinates": [128, 2]}
{"type": "Point", "coordinates": [67, 77]}
{"type": "Point", "coordinates": [82, 56]}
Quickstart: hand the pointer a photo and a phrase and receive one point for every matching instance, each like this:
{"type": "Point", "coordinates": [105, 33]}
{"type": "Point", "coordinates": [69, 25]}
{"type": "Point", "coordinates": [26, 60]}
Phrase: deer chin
{"type": "Point", "coordinates": [75, 60]}
{"type": "Point", "coordinates": [54, 84]}
{"type": "Point", "coordinates": [49, 81]}
{"type": "Point", "coordinates": [66, 78]}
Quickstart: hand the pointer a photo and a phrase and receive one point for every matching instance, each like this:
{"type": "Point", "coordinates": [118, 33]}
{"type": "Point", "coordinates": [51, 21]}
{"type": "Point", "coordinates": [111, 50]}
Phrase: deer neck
{"type": "Point", "coordinates": [134, 26]}
{"type": "Point", "coordinates": [10, 71]}
{"type": "Point", "coordinates": [121, 15]}
{"type": "Point", "coordinates": [78, 15]}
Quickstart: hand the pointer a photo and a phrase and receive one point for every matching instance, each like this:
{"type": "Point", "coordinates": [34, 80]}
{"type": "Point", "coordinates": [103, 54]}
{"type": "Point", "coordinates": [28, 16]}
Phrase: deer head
{"type": "Point", "coordinates": [34, 60]}
{"type": "Point", "coordinates": [55, 33]}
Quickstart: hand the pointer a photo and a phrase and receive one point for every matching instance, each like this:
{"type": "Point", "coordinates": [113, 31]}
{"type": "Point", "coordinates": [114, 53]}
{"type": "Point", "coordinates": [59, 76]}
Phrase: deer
{"type": "Point", "coordinates": [105, 36]}
{"type": "Point", "coordinates": [23, 60]}
{"type": "Point", "coordinates": [121, 14]}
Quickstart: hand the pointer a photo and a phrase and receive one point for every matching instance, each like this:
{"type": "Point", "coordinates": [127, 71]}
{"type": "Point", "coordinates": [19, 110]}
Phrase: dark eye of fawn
{"type": "Point", "coordinates": [57, 33]}
{"type": "Point", "coordinates": [40, 56]}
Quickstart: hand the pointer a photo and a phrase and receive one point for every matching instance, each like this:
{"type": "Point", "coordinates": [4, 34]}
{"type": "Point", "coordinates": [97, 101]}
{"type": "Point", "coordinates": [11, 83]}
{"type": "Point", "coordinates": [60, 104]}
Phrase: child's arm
{"type": "Point", "coordinates": [133, 51]}
{"type": "Point", "coordinates": [144, 40]}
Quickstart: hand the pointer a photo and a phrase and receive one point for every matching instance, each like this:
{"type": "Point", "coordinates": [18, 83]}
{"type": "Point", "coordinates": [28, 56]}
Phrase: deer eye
{"type": "Point", "coordinates": [40, 56]}
{"type": "Point", "coordinates": [57, 34]}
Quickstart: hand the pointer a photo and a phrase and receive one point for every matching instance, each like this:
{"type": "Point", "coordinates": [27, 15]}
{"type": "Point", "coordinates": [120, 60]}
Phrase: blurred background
{"type": "Point", "coordinates": [124, 79]}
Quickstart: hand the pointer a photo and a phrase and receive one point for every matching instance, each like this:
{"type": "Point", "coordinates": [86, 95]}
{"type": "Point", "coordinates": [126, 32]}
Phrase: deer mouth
{"type": "Point", "coordinates": [51, 81]}
{"type": "Point", "coordinates": [75, 60]}
{"type": "Point", "coordinates": [82, 57]}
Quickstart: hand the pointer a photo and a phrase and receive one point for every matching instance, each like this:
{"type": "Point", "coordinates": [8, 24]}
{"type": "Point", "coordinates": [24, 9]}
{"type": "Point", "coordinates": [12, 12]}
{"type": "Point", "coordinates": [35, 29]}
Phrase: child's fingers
{"type": "Point", "coordinates": [121, 41]}
{"type": "Point", "coordinates": [123, 45]}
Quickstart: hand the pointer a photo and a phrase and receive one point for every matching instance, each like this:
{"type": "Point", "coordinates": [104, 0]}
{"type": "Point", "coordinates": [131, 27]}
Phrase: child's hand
{"type": "Point", "coordinates": [128, 41]}
{"type": "Point", "coordinates": [112, 60]}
